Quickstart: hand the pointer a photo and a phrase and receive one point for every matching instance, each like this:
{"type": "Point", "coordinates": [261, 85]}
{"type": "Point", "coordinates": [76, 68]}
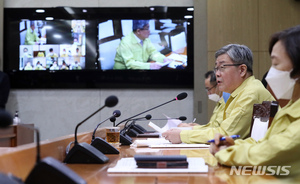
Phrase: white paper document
{"type": "Point", "coordinates": [163, 143]}
{"type": "Point", "coordinates": [178, 57]}
{"type": "Point", "coordinates": [155, 127]}
{"type": "Point", "coordinates": [182, 145]}
{"type": "Point", "coordinates": [174, 64]}
{"type": "Point", "coordinates": [171, 123]}
{"type": "Point", "coordinates": [148, 142]}
{"type": "Point", "coordinates": [128, 165]}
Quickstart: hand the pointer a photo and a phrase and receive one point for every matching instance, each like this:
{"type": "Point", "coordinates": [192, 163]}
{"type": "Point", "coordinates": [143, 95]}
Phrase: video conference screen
{"type": "Point", "coordinates": [61, 45]}
{"type": "Point", "coordinates": [52, 45]}
{"type": "Point", "coordinates": [119, 48]}
{"type": "Point", "coordinates": [96, 47]}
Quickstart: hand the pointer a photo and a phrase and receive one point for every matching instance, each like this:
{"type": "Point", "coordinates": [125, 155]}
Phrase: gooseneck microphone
{"type": "Point", "coordinates": [113, 120]}
{"type": "Point", "coordinates": [126, 140]}
{"type": "Point", "coordinates": [50, 170]}
{"type": "Point", "coordinates": [116, 113]}
{"type": "Point", "coordinates": [85, 153]}
{"type": "Point", "coordinates": [147, 117]}
{"type": "Point", "coordinates": [110, 101]}
{"type": "Point", "coordinates": [182, 118]}
{"type": "Point", "coordinates": [130, 129]}
{"type": "Point", "coordinates": [139, 130]}
{"type": "Point", "coordinates": [100, 144]}
{"type": "Point", "coordinates": [181, 96]}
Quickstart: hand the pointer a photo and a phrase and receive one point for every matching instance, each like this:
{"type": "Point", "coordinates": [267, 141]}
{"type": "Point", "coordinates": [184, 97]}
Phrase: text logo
{"type": "Point", "coordinates": [260, 170]}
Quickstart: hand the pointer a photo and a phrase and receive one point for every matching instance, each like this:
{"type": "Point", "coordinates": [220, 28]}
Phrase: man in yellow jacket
{"type": "Point", "coordinates": [215, 95]}
{"type": "Point", "coordinates": [279, 150]}
{"type": "Point", "coordinates": [136, 50]}
{"type": "Point", "coordinates": [234, 75]}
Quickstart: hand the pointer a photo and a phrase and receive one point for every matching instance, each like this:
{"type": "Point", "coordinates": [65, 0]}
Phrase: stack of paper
{"type": "Point", "coordinates": [128, 165]}
{"type": "Point", "coordinates": [171, 123]}
{"type": "Point", "coordinates": [163, 143]}
{"type": "Point", "coordinates": [148, 142]}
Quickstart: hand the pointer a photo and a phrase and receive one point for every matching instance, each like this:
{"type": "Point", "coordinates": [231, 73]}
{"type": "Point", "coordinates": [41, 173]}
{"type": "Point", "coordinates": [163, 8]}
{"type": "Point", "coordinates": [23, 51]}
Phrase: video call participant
{"type": "Point", "coordinates": [64, 66]}
{"type": "Point", "coordinates": [54, 66]}
{"type": "Point", "coordinates": [215, 95]}
{"type": "Point", "coordinates": [31, 38]}
{"type": "Point", "coordinates": [39, 66]}
{"type": "Point", "coordinates": [64, 53]}
{"type": "Point", "coordinates": [52, 54]}
{"type": "Point", "coordinates": [136, 50]}
{"type": "Point", "coordinates": [233, 69]}
{"type": "Point", "coordinates": [281, 144]}
{"type": "Point", "coordinates": [76, 66]}
{"type": "Point", "coordinates": [26, 54]}
{"type": "Point", "coordinates": [28, 66]}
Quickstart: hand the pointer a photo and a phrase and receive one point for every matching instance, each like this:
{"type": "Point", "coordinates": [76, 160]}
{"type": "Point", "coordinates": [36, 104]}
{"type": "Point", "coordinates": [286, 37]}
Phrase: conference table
{"type": "Point", "coordinates": [21, 159]}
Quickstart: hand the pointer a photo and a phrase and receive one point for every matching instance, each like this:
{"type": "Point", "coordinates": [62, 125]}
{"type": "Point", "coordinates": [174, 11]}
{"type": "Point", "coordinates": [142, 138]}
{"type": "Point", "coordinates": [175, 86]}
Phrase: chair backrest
{"type": "Point", "coordinates": [262, 118]}
{"type": "Point", "coordinates": [106, 29]}
{"type": "Point", "coordinates": [177, 41]}
{"type": "Point", "coordinates": [107, 53]}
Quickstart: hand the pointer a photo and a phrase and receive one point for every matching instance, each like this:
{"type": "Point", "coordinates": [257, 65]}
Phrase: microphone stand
{"type": "Point", "coordinates": [125, 139]}
{"type": "Point", "coordinates": [50, 170]}
{"type": "Point", "coordinates": [146, 111]}
{"type": "Point", "coordinates": [181, 96]}
{"type": "Point", "coordinates": [85, 153]}
{"type": "Point", "coordinates": [102, 145]}
{"type": "Point", "coordinates": [85, 121]}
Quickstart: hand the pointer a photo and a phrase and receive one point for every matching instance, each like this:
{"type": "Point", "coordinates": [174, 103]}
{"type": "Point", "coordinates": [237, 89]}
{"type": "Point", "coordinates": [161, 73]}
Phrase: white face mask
{"type": "Point", "coordinates": [214, 97]}
{"type": "Point", "coordinates": [281, 83]}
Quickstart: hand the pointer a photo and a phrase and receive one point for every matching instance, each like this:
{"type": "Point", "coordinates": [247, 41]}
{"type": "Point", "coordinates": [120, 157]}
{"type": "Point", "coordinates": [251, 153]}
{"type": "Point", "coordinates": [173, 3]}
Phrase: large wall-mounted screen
{"type": "Point", "coordinates": [67, 47]}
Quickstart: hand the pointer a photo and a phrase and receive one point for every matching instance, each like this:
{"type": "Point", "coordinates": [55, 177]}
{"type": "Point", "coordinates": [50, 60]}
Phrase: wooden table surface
{"type": "Point", "coordinates": [20, 160]}
{"type": "Point", "coordinates": [96, 174]}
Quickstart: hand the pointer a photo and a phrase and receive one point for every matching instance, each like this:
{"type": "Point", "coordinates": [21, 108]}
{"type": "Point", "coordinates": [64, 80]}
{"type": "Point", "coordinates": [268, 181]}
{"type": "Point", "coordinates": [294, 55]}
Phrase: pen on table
{"type": "Point", "coordinates": [223, 138]}
{"type": "Point", "coordinates": [194, 120]}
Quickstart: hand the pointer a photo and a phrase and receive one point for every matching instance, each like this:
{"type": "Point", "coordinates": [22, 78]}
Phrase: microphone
{"type": "Point", "coordinates": [101, 144]}
{"type": "Point", "coordinates": [126, 140]}
{"type": "Point", "coordinates": [83, 152]}
{"type": "Point", "coordinates": [50, 170]}
{"type": "Point", "coordinates": [139, 131]}
{"type": "Point", "coordinates": [142, 130]}
{"type": "Point", "coordinates": [116, 113]}
{"type": "Point", "coordinates": [113, 120]}
{"type": "Point", "coordinates": [182, 118]}
{"type": "Point", "coordinates": [181, 96]}
{"type": "Point", "coordinates": [133, 129]}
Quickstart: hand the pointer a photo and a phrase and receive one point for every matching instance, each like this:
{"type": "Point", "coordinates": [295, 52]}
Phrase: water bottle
{"type": "Point", "coordinates": [16, 119]}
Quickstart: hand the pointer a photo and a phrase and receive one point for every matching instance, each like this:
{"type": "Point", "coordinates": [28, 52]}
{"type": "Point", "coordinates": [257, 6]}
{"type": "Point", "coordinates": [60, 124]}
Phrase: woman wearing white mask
{"type": "Point", "coordinates": [279, 150]}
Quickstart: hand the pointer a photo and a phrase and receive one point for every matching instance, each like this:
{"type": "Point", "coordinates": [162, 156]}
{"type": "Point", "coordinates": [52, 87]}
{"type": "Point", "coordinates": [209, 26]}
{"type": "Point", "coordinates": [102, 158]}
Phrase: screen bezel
{"type": "Point", "coordinates": [99, 78]}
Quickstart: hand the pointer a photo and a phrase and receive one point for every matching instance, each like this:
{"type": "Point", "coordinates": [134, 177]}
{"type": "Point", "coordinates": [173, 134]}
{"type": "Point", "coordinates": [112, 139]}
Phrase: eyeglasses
{"type": "Point", "coordinates": [221, 68]}
{"type": "Point", "coordinates": [208, 89]}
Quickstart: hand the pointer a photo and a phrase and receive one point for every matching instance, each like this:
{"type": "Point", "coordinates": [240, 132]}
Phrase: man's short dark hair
{"type": "Point", "coordinates": [212, 76]}
{"type": "Point", "coordinates": [139, 24]}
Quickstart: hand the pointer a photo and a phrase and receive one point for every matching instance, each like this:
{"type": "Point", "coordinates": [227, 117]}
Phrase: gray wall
{"type": "Point", "coordinates": [56, 112]}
